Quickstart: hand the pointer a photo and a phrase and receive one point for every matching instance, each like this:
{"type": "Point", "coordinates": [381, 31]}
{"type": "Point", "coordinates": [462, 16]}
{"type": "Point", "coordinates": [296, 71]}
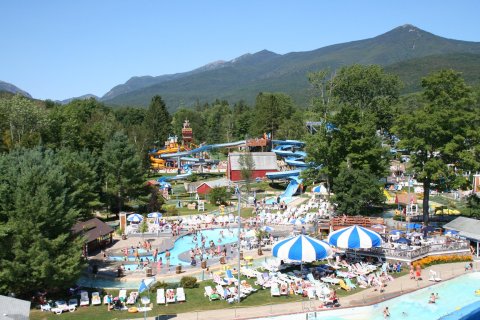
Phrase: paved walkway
{"type": "Point", "coordinates": [368, 296]}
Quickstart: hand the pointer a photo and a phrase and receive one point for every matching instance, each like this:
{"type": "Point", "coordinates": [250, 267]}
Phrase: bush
{"type": "Point", "coordinates": [432, 260]}
{"type": "Point", "coordinates": [170, 210]}
{"type": "Point", "coordinates": [159, 285]}
{"type": "Point", "coordinates": [219, 195]}
{"type": "Point", "coordinates": [188, 282]}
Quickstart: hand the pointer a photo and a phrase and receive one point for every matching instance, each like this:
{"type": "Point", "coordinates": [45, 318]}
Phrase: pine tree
{"type": "Point", "coordinates": [158, 121]}
{"type": "Point", "coordinates": [37, 212]}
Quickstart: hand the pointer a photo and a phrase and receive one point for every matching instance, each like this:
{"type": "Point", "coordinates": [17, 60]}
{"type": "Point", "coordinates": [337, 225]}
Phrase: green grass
{"type": "Point", "coordinates": [196, 301]}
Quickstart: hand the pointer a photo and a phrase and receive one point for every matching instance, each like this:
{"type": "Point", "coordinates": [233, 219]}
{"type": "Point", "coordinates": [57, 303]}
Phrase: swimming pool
{"type": "Point", "coordinates": [454, 295]}
{"type": "Point", "coordinates": [185, 243]}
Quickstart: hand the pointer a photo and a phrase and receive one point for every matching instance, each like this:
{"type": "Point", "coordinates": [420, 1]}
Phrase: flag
{"type": "Point", "coordinates": [142, 287]}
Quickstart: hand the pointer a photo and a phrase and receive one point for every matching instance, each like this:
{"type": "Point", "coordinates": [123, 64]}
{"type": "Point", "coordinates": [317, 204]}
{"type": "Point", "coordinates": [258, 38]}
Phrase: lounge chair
{"type": "Point", "coordinates": [311, 293]}
{"type": "Point", "coordinates": [218, 280]}
{"type": "Point", "coordinates": [210, 294]}
{"type": "Point", "coordinates": [161, 296]}
{"type": "Point", "coordinates": [344, 286]}
{"type": "Point", "coordinates": [132, 298]}
{"type": "Point", "coordinates": [312, 280]}
{"type": "Point", "coordinates": [275, 290]}
{"type": "Point", "coordinates": [122, 295]}
{"type": "Point", "coordinates": [229, 277]}
{"type": "Point", "coordinates": [61, 306]}
{"type": "Point", "coordinates": [170, 296]}
{"type": "Point", "coordinates": [434, 276]}
{"type": "Point", "coordinates": [349, 283]}
{"type": "Point", "coordinates": [73, 302]}
{"type": "Point", "coordinates": [96, 299]}
{"type": "Point", "coordinates": [181, 295]}
{"type": "Point", "coordinates": [46, 307]}
{"type": "Point", "coordinates": [84, 300]}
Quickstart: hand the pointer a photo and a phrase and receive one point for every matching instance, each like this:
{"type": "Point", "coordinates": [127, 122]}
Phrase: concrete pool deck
{"type": "Point", "coordinates": [398, 287]}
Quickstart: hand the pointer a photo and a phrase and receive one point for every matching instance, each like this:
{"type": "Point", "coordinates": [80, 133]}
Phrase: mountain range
{"type": "Point", "coordinates": [407, 51]}
{"type": "Point", "coordinates": [8, 87]}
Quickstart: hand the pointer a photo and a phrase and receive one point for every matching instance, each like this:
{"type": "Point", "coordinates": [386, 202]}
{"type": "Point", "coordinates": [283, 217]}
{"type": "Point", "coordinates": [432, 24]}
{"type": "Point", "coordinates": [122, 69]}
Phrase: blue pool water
{"type": "Point", "coordinates": [453, 296]}
{"type": "Point", "coordinates": [186, 243]}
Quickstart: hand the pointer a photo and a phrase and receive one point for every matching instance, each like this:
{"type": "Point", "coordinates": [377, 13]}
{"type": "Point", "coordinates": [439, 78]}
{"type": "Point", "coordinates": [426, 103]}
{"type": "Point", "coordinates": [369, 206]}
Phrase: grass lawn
{"type": "Point", "coordinates": [196, 301]}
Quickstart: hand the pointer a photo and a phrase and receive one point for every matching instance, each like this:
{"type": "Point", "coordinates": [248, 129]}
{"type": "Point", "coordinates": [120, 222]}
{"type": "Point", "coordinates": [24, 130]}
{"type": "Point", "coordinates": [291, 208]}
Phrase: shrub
{"type": "Point", "coordinates": [170, 210]}
{"type": "Point", "coordinates": [188, 282]}
{"type": "Point", "coordinates": [159, 285]}
{"type": "Point", "coordinates": [432, 260]}
{"type": "Point", "coordinates": [219, 195]}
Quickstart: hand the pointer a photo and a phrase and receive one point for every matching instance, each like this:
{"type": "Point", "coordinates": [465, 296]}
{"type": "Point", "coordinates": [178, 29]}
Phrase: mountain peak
{"type": "Point", "coordinates": [8, 87]}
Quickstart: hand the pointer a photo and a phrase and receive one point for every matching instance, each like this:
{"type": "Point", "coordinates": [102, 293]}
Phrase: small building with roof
{"type": "Point", "coordinates": [97, 234]}
{"type": "Point", "coordinates": [206, 186]}
{"type": "Point", "coordinates": [264, 162]}
{"type": "Point", "coordinates": [13, 308]}
{"type": "Point", "coordinates": [468, 228]}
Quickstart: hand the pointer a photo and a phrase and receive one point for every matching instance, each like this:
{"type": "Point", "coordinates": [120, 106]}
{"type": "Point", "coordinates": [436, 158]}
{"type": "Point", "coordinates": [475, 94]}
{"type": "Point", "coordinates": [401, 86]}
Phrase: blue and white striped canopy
{"type": "Point", "coordinates": [155, 215]}
{"type": "Point", "coordinates": [355, 237]}
{"type": "Point", "coordinates": [135, 217]}
{"type": "Point", "coordinates": [320, 189]}
{"type": "Point", "coordinates": [451, 232]}
{"type": "Point", "coordinates": [302, 248]}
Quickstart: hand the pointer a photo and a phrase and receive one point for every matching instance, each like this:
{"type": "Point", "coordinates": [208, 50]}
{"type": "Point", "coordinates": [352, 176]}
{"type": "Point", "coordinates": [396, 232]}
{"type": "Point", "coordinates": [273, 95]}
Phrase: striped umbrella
{"type": "Point", "coordinates": [451, 232]}
{"type": "Point", "coordinates": [267, 228]}
{"type": "Point", "coordinates": [156, 215]}
{"type": "Point", "coordinates": [301, 248]}
{"type": "Point", "coordinates": [135, 217]}
{"type": "Point", "coordinates": [355, 237]}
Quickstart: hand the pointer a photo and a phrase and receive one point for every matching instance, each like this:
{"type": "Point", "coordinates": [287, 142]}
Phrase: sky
{"type": "Point", "coordinates": [57, 49]}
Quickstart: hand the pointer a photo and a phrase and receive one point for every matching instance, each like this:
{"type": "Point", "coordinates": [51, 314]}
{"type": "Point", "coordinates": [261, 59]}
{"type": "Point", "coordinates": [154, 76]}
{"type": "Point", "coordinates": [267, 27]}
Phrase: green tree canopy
{"type": "Point", "coordinates": [158, 121]}
{"type": "Point", "coordinates": [443, 134]}
{"type": "Point", "coordinates": [123, 170]}
{"type": "Point", "coordinates": [37, 212]}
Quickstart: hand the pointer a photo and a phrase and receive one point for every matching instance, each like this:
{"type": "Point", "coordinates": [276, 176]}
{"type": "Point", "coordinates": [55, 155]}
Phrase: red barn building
{"type": "Point", "coordinates": [263, 162]}
{"type": "Point", "coordinates": [206, 186]}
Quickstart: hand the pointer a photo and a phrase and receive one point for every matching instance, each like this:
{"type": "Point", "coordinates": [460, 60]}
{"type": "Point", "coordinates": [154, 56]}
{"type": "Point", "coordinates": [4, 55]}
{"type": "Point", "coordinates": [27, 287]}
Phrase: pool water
{"type": "Point", "coordinates": [453, 296]}
{"type": "Point", "coordinates": [186, 243]}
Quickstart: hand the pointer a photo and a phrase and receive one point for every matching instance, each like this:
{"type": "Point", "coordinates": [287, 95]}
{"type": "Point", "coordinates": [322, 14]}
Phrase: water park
{"type": "Point", "coordinates": [268, 237]}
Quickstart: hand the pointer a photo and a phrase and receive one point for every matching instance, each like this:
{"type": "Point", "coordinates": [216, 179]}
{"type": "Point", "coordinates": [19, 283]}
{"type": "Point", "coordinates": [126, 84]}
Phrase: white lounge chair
{"type": "Point", "coordinates": [132, 298]}
{"type": "Point", "coordinates": [61, 306]}
{"type": "Point", "coordinates": [181, 295]}
{"type": "Point", "coordinates": [161, 296]}
{"type": "Point", "coordinates": [46, 307]}
{"type": "Point", "coordinates": [434, 276]}
{"type": "Point", "coordinates": [170, 296]}
{"type": "Point", "coordinates": [275, 290]}
{"type": "Point", "coordinates": [84, 300]}
{"type": "Point", "coordinates": [73, 302]}
{"type": "Point", "coordinates": [96, 299]}
{"type": "Point", "coordinates": [209, 293]}
{"type": "Point", "coordinates": [122, 295]}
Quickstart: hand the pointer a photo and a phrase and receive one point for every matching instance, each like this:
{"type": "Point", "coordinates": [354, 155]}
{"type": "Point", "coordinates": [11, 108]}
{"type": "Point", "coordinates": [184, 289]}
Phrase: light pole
{"type": "Point", "coordinates": [239, 197]}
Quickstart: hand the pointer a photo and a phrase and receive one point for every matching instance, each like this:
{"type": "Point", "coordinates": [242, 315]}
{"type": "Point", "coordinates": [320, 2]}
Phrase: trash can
{"type": "Point", "coordinates": [204, 264]}
{"type": "Point", "coordinates": [148, 272]}
{"type": "Point", "coordinates": [178, 270]}
{"type": "Point", "coordinates": [241, 255]}
{"type": "Point", "coordinates": [222, 260]}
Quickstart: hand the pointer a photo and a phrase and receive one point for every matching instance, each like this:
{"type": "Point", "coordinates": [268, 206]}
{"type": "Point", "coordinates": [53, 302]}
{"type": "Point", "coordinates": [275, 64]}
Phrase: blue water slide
{"type": "Point", "coordinates": [203, 148]}
{"type": "Point", "coordinates": [296, 162]}
{"type": "Point", "coordinates": [291, 188]}
{"type": "Point", "coordinates": [289, 142]}
{"type": "Point", "coordinates": [283, 174]}
{"type": "Point", "coordinates": [188, 172]}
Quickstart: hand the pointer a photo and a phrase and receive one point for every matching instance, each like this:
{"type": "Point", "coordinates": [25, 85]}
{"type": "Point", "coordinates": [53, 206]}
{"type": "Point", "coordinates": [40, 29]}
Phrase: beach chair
{"type": "Point", "coordinates": [312, 280]}
{"type": "Point", "coordinates": [170, 296]}
{"type": "Point", "coordinates": [132, 298]}
{"type": "Point", "coordinates": [230, 278]}
{"type": "Point", "coordinates": [275, 290]}
{"type": "Point", "coordinates": [45, 307]}
{"type": "Point", "coordinates": [181, 295]}
{"type": "Point", "coordinates": [349, 283]}
{"type": "Point", "coordinates": [344, 286]}
{"type": "Point", "coordinates": [161, 296]}
{"type": "Point", "coordinates": [218, 280]}
{"type": "Point", "coordinates": [96, 299]}
{"type": "Point", "coordinates": [311, 293]}
{"type": "Point", "coordinates": [61, 306]}
{"type": "Point", "coordinates": [434, 276]}
{"type": "Point", "coordinates": [221, 291]}
{"type": "Point", "coordinates": [122, 295]}
{"type": "Point", "coordinates": [84, 300]}
{"type": "Point", "coordinates": [210, 294]}
{"type": "Point", "coordinates": [73, 302]}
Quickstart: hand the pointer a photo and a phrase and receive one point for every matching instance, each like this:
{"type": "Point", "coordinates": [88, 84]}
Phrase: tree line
{"type": "Point", "coordinates": [59, 163]}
